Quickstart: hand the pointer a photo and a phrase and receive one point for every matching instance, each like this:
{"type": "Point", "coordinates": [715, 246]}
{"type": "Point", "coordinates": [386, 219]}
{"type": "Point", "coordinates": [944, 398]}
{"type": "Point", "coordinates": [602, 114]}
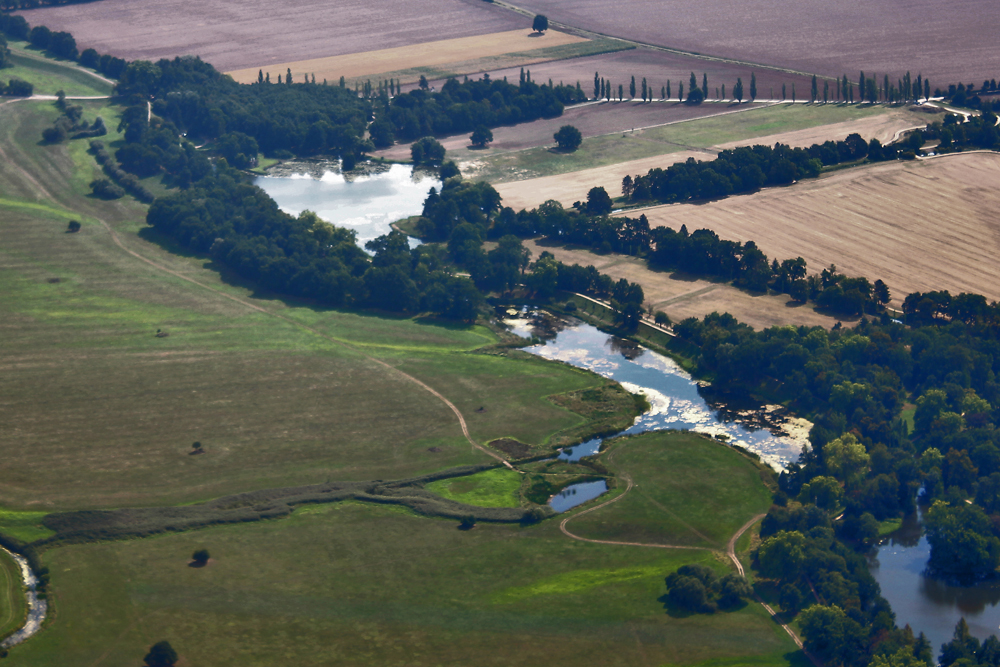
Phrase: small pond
{"type": "Point", "coordinates": [367, 199]}
{"type": "Point", "coordinates": [929, 605]}
{"type": "Point", "coordinates": [677, 401]}
{"type": "Point", "coordinates": [577, 494]}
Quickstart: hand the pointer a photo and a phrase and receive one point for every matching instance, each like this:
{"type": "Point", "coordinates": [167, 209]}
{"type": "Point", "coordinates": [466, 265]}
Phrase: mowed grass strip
{"type": "Point", "coordinates": [492, 488]}
{"type": "Point", "coordinates": [13, 605]}
{"type": "Point", "coordinates": [352, 584]}
{"type": "Point", "coordinates": [700, 135]}
{"type": "Point", "coordinates": [49, 76]}
{"type": "Point", "coordinates": [428, 54]}
{"type": "Point", "coordinates": [688, 490]}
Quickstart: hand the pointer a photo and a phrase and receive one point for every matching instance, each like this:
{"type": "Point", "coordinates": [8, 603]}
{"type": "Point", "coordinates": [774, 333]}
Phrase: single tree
{"type": "Point", "coordinates": [668, 90]}
{"type": "Point", "coordinates": [723, 91]}
{"type": "Point", "coordinates": [738, 90]}
{"type": "Point", "coordinates": [784, 95]}
{"type": "Point", "coordinates": [793, 93]}
{"type": "Point", "coordinates": [541, 23]}
{"type": "Point", "coordinates": [481, 136]}
{"type": "Point", "coordinates": [196, 446]}
{"type": "Point", "coordinates": [597, 86]}
{"type": "Point", "coordinates": [826, 92]}
{"type": "Point", "coordinates": [814, 91]}
{"type": "Point", "coordinates": [644, 89]}
{"type": "Point", "coordinates": [704, 84]}
{"type": "Point", "coordinates": [260, 76]}
{"type": "Point", "coordinates": [161, 654]}
{"type": "Point", "coordinates": [343, 82]}
{"type": "Point", "coordinates": [468, 522]}
{"type": "Point", "coordinates": [680, 90]}
{"type": "Point", "coordinates": [200, 557]}
{"type": "Point", "coordinates": [631, 88]}
{"type": "Point", "coordinates": [598, 201]}
{"type": "Point", "coordinates": [568, 138]}
{"type": "Point", "coordinates": [74, 226]}
{"type": "Point", "coordinates": [621, 92]}
{"type": "Point", "coordinates": [753, 86]}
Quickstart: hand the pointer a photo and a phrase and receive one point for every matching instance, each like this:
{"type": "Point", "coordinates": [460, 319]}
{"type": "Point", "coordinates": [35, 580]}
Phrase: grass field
{"type": "Point", "coordinates": [429, 54]}
{"type": "Point", "coordinates": [494, 488]}
{"type": "Point", "coordinates": [699, 137]}
{"type": "Point", "coordinates": [49, 77]}
{"type": "Point", "coordinates": [362, 585]}
{"type": "Point", "coordinates": [688, 491]}
{"type": "Point", "coordinates": [13, 606]}
{"type": "Point", "coordinates": [919, 226]}
{"type": "Point", "coordinates": [106, 411]}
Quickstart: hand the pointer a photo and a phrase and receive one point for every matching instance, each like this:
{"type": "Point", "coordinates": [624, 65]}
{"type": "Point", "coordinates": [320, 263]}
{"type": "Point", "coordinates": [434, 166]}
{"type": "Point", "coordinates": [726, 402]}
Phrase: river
{"type": "Point", "coordinates": [366, 200]}
{"type": "Point", "coordinates": [36, 607]}
{"type": "Point", "coordinates": [676, 400]}
{"type": "Point", "coordinates": [929, 605]}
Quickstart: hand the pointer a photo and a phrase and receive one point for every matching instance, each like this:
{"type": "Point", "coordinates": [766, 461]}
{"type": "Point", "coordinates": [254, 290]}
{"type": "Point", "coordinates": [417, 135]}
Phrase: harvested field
{"type": "Point", "coordinates": [237, 34]}
{"type": "Point", "coordinates": [573, 186]}
{"type": "Point", "coordinates": [681, 296]}
{"type": "Point", "coordinates": [946, 41]}
{"type": "Point", "coordinates": [428, 54]}
{"type": "Point", "coordinates": [919, 226]}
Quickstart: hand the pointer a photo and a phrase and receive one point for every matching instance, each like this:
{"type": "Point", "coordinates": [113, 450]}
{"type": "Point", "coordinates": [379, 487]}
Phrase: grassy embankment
{"type": "Point", "coordinates": [698, 134]}
{"type": "Point", "coordinates": [13, 606]}
{"type": "Point", "coordinates": [361, 584]}
{"type": "Point", "coordinates": [106, 412]}
{"type": "Point", "coordinates": [50, 76]}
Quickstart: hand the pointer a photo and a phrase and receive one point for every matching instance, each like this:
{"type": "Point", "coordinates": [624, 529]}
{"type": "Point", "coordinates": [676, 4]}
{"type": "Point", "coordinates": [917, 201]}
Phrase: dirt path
{"type": "Point", "coordinates": [731, 547]}
{"type": "Point", "coordinates": [407, 376]}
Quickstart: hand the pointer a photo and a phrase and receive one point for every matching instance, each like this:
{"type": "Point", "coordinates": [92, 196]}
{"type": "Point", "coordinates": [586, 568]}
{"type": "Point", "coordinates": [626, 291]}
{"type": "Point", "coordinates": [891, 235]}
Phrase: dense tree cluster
{"type": "Point", "coordinates": [123, 179]}
{"type": "Point", "coordinates": [955, 135]}
{"type": "Point", "coordinates": [240, 226]}
{"type": "Point", "coordinates": [967, 651]}
{"type": "Point", "coordinates": [749, 168]}
{"type": "Point", "coordinates": [4, 53]}
{"type": "Point", "coordinates": [301, 118]}
{"type": "Point", "coordinates": [462, 107]}
{"type": "Point", "coordinates": [699, 589]}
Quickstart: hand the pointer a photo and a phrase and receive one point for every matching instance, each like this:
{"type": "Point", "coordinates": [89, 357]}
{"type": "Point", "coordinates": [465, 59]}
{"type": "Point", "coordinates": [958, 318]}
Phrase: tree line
{"type": "Point", "coordinates": [462, 107]}
{"type": "Point", "coordinates": [59, 44]}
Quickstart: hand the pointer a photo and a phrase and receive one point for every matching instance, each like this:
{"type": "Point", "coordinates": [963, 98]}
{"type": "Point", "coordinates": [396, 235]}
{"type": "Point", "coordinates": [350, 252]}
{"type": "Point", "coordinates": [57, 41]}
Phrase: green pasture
{"type": "Point", "coordinates": [50, 76]}
{"type": "Point", "coordinates": [698, 134]}
{"type": "Point", "coordinates": [688, 490]}
{"type": "Point", "coordinates": [493, 488]}
{"type": "Point", "coordinates": [13, 605]}
{"type": "Point", "coordinates": [279, 393]}
{"type": "Point", "coordinates": [359, 585]}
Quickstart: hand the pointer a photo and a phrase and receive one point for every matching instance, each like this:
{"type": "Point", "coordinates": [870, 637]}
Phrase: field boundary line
{"type": "Point", "coordinates": [32, 56]}
{"type": "Point", "coordinates": [654, 47]}
{"type": "Point", "coordinates": [419, 383]}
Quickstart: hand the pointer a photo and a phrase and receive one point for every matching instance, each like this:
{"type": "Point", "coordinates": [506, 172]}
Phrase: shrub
{"type": "Point", "coordinates": [19, 88]}
{"type": "Point", "coordinates": [105, 189]}
{"type": "Point", "coordinates": [568, 138]}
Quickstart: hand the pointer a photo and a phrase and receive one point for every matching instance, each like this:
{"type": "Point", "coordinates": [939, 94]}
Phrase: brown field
{"type": "Point", "coordinates": [684, 296]}
{"type": "Point", "coordinates": [919, 226]}
{"type": "Point", "coordinates": [570, 187]}
{"type": "Point", "coordinates": [427, 54]}
{"type": "Point", "coordinates": [237, 34]}
{"type": "Point", "coordinates": [947, 41]}
{"type": "Point", "coordinates": [591, 119]}
{"type": "Point", "coordinates": [658, 67]}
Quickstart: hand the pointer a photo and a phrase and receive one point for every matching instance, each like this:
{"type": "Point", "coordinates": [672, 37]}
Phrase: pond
{"type": "Point", "coordinates": [367, 199]}
{"type": "Point", "coordinates": [929, 605]}
{"type": "Point", "coordinates": [677, 401]}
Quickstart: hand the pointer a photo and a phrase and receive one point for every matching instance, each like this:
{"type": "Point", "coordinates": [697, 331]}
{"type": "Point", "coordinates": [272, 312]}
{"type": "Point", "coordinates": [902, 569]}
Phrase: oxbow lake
{"type": "Point", "coordinates": [677, 401]}
{"type": "Point", "coordinates": [367, 199]}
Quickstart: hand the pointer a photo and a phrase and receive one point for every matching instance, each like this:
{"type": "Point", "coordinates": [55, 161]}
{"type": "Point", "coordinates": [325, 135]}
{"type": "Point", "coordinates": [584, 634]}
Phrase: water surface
{"type": "Point", "coordinates": [929, 605]}
{"type": "Point", "coordinates": [367, 201]}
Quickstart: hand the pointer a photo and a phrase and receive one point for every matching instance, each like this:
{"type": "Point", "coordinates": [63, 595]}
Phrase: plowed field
{"type": "Point", "coordinates": [946, 41]}
{"type": "Point", "coordinates": [236, 34]}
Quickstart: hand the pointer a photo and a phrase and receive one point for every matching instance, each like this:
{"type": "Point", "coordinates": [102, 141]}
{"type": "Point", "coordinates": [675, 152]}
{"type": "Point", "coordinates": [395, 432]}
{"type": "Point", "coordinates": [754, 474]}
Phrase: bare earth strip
{"type": "Point", "coordinates": [236, 34]}
{"type": "Point", "coordinates": [684, 296]}
{"type": "Point", "coordinates": [919, 226]}
{"type": "Point", "coordinates": [428, 54]}
{"type": "Point", "coordinates": [570, 187]}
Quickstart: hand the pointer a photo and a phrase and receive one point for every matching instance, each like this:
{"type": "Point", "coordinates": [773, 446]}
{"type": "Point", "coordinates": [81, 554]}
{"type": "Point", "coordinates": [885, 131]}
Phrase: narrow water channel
{"type": "Point", "coordinates": [36, 608]}
{"type": "Point", "coordinates": [366, 200]}
{"type": "Point", "coordinates": [677, 401]}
